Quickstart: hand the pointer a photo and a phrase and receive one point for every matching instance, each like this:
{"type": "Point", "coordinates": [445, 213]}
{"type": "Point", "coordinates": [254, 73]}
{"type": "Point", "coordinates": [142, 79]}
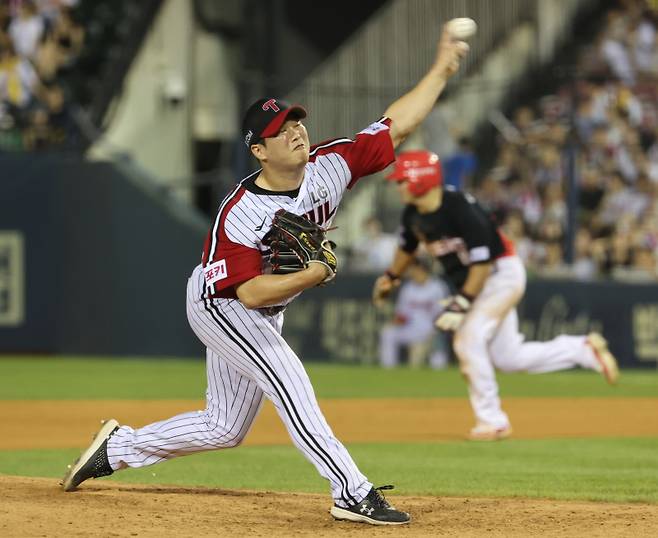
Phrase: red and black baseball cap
{"type": "Point", "coordinates": [266, 116]}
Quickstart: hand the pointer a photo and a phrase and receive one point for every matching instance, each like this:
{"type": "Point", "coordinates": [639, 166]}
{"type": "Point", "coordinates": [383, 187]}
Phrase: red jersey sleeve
{"type": "Point", "coordinates": [226, 262]}
{"type": "Point", "coordinates": [370, 151]}
{"type": "Point", "coordinates": [235, 264]}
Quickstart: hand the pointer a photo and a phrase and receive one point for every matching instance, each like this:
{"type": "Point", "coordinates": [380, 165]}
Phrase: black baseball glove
{"type": "Point", "coordinates": [295, 242]}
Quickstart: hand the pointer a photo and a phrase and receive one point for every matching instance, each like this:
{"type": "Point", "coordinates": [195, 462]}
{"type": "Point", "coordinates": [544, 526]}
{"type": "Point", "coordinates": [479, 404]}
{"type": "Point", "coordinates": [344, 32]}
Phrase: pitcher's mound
{"type": "Point", "coordinates": [37, 507]}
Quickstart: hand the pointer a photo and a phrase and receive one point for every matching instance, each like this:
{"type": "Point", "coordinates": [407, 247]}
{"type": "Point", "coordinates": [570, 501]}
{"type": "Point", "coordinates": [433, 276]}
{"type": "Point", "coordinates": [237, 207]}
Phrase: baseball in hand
{"type": "Point", "coordinates": [462, 27]}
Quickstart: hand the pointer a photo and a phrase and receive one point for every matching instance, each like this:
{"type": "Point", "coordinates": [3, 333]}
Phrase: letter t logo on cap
{"type": "Point", "coordinates": [270, 104]}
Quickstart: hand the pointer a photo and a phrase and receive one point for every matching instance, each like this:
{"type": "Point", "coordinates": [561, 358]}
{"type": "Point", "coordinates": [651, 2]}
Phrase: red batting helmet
{"type": "Point", "coordinates": [420, 169]}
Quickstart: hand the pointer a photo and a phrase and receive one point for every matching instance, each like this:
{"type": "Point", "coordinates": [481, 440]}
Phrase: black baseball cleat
{"type": "Point", "coordinates": [374, 509]}
{"type": "Point", "coordinates": [93, 462]}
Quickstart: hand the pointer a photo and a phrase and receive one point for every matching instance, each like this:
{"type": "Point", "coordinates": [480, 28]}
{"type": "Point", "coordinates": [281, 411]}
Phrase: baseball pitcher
{"type": "Point", "coordinates": [267, 245]}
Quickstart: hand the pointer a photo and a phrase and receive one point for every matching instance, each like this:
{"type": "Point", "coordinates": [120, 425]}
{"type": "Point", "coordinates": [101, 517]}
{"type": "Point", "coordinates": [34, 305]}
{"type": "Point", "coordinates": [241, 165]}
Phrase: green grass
{"type": "Point", "coordinates": [36, 378]}
{"type": "Point", "coordinates": [586, 469]}
{"type": "Point", "coordinates": [619, 470]}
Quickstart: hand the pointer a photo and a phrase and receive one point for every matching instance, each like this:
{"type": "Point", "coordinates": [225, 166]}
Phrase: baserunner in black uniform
{"type": "Point", "coordinates": [489, 280]}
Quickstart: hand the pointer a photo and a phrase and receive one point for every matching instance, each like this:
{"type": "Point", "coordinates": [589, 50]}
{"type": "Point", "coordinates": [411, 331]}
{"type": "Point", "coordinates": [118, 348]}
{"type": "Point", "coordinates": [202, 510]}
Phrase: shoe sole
{"type": "Point", "coordinates": [346, 515]}
{"type": "Point", "coordinates": [496, 435]}
{"type": "Point", "coordinates": [105, 431]}
{"type": "Point", "coordinates": [606, 360]}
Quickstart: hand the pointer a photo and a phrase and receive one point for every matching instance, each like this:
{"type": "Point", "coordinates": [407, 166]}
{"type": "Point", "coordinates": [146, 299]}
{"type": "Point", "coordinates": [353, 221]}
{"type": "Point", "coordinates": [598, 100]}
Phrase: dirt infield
{"type": "Point", "coordinates": [32, 507]}
{"type": "Point", "coordinates": [36, 507]}
{"type": "Point", "coordinates": [68, 424]}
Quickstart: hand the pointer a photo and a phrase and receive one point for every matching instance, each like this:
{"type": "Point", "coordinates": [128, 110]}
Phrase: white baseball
{"type": "Point", "coordinates": [462, 27]}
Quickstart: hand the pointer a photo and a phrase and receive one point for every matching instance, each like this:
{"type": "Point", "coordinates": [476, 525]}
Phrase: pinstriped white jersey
{"type": "Point", "coordinates": [233, 252]}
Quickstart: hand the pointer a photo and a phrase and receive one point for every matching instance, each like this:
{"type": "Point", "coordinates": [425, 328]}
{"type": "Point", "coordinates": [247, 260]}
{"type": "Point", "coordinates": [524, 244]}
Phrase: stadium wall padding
{"type": "Point", "coordinates": [106, 262]}
{"type": "Point", "coordinates": [340, 322]}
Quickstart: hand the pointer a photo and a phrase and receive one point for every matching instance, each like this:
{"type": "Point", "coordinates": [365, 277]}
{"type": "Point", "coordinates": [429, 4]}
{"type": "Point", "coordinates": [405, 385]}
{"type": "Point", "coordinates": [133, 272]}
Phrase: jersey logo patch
{"type": "Point", "coordinates": [320, 214]}
{"type": "Point", "coordinates": [374, 128]}
{"type": "Point", "coordinates": [449, 245]}
{"type": "Point", "coordinates": [321, 195]}
{"type": "Point", "coordinates": [214, 272]}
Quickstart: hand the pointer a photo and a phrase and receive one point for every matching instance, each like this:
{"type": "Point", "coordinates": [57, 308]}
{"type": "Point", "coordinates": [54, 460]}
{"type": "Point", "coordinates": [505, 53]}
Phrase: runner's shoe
{"type": "Point", "coordinates": [606, 360]}
{"type": "Point", "coordinates": [487, 432]}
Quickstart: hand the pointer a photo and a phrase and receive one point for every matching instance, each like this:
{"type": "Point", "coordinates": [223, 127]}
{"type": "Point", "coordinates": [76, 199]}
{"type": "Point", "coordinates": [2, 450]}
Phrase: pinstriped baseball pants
{"type": "Point", "coordinates": [246, 359]}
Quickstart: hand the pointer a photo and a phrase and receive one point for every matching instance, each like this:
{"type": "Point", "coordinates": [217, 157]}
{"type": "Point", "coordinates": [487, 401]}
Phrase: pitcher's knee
{"type": "Point", "coordinates": [220, 436]}
{"type": "Point", "coordinates": [232, 442]}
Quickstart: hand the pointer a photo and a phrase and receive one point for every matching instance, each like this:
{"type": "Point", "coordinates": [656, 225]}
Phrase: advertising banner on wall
{"type": "Point", "coordinates": [339, 323]}
{"type": "Point", "coordinates": [12, 270]}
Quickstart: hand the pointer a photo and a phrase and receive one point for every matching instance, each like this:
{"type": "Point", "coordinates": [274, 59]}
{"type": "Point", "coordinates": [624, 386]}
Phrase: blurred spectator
{"type": "Point", "coordinates": [18, 80]}
{"type": "Point", "coordinates": [590, 193]}
{"type": "Point", "coordinates": [618, 201]}
{"type": "Point", "coordinates": [59, 117]}
{"type": "Point", "coordinates": [417, 306]}
{"type": "Point", "coordinates": [514, 228]}
{"type": "Point", "coordinates": [26, 30]}
{"type": "Point", "coordinates": [550, 252]}
{"type": "Point", "coordinates": [48, 58]}
{"type": "Point", "coordinates": [652, 162]}
{"type": "Point", "coordinates": [50, 9]}
{"type": "Point", "coordinates": [37, 135]}
{"type": "Point", "coordinates": [555, 207]}
{"type": "Point", "coordinates": [644, 45]}
{"type": "Point", "coordinates": [529, 128]}
{"type": "Point", "coordinates": [5, 20]}
{"type": "Point", "coordinates": [614, 49]}
{"type": "Point", "coordinates": [585, 266]}
{"type": "Point", "coordinates": [458, 168]}
{"type": "Point", "coordinates": [69, 37]}
{"type": "Point", "coordinates": [374, 251]}
{"type": "Point", "coordinates": [492, 195]}
{"type": "Point", "coordinates": [549, 166]}
{"type": "Point", "coordinates": [526, 198]}
{"type": "Point", "coordinates": [619, 252]}
{"type": "Point", "coordinates": [644, 263]}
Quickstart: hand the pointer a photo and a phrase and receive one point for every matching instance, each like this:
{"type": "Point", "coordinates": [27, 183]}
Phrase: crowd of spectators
{"type": "Point", "coordinates": [591, 145]}
{"type": "Point", "coordinates": [607, 118]}
{"type": "Point", "coordinates": [40, 42]}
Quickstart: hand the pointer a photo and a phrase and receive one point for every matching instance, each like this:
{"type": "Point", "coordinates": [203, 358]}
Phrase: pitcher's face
{"type": "Point", "coordinates": [289, 147]}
